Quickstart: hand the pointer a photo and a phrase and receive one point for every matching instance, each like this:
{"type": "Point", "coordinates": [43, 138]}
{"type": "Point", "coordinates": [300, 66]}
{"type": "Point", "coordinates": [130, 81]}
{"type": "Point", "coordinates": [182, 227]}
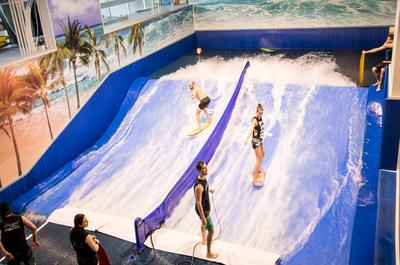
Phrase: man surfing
{"type": "Point", "coordinates": [198, 93]}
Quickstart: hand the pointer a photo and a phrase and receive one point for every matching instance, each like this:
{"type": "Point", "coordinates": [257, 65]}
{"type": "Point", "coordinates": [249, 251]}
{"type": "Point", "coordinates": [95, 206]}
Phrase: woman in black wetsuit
{"type": "Point", "coordinates": [257, 135]}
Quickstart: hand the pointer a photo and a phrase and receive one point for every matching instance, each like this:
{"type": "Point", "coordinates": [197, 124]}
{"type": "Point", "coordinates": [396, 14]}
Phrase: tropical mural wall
{"type": "Point", "coordinates": [40, 97]}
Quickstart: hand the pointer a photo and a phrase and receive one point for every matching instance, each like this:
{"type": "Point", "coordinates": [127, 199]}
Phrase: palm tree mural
{"type": "Point", "coordinates": [99, 55]}
{"type": "Point", "coordinates": [3, 124]}
{"type": "Point", "coordinates": [38, 77]}
{"type": "Point", "coordinates": [118, 44]}
{"type": "Point", "coordinates": [16, 96]}
{"type": "Point", "coordinates": [78, 49]}
{"type": "Point", "coordinates": [136, 38]}
{"type": "Point", "coordinates": [57, 63]}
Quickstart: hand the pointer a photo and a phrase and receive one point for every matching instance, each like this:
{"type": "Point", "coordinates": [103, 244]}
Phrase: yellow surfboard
{"type": "Point", "coordinates": [197, 130]}
{"type": "Point", "coordinates": [361, 71]}
{"type": "Point", "coordinates": [267, 50]}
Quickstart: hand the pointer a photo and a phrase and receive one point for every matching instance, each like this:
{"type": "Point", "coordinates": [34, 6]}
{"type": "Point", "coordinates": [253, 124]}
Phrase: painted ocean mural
{"type": "Point", "coordinates": [256, 14]}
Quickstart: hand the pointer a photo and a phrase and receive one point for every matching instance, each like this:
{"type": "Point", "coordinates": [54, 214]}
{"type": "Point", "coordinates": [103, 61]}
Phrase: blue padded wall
{"type": "Point", "coordinates": [315, 38]}
{"type": "Point", "coordinates": [94, 117]}
{"type": "Point", "coordinates": [391, 134]}
{"type": "Point", "coordinates": [364, 228]}
{"type": "Point", "coordinates": [19, 204]}
{"type": "Point", "coordinates": [385, 226]}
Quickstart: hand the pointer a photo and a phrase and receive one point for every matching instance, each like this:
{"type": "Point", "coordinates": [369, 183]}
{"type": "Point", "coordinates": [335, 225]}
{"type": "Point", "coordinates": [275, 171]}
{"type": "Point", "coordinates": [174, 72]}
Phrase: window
{"type": "Point", "coordinates": [113, 11]}
{"type": "Point", "coordinates": [25, 29]}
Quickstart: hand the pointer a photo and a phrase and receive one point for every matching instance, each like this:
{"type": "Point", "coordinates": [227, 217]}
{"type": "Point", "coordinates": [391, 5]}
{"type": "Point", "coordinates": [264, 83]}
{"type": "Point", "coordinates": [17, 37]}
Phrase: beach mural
{"type": "Point", "coordinates": [257, 14]}
{"type": "Point", "coordinates": [39, 98]}
{"type": "Point", "coordinates": [75, 9]}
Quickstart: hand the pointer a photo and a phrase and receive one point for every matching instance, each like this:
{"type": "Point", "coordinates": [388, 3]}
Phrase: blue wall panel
{"type": "Point", "coordinates": [19, 204]}
{"type": "Point", "coordinates": [323, 38]}
{"type": "Point", "coordinates": [364, 228]}
{"type": "Point", "coordinates": [385, 227]}
{"type": "Point", "coordinates": [94, 118]}
{"type": "Point", "coordinates": [391, 135]}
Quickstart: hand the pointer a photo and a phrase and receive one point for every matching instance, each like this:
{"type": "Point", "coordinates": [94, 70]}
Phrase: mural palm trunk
{"type": "Point", "coordinates": [98, 69]}
{"type": "Point", "coordinates": [66, 96]}
{"type": "Point", "coordinates": [10, 122]}
{"type": "Point", "coordinates": [118, 55]}
{"type": "Point", "coordinates": [66, 93]}
{"type": "Point", "coordinates": [48, 119]}
{"type": "Point", "coordinates": [76, 85]}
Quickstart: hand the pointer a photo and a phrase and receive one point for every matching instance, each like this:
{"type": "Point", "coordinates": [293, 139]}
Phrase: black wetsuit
{"type": "Point", "coordinates": [85, 255]}
{"type": "Point", "coordinates": [205, 198]}
{"type": "Point", "coordinates": [258, 133]}
{"type": "Point", "coordinates": [13, 239]}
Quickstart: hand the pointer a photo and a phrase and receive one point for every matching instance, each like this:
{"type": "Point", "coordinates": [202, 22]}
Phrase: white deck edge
{"type": "Point", "coordinates": [116, 226]}
{"type": "Point", "coordinates": [228, 253]}
{"type": "Point", "coordinates": [166, 239]}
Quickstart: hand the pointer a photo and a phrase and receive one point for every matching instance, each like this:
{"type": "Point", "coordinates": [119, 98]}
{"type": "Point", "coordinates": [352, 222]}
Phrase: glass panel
{"type": "Point", "coordinates": [116, 10]}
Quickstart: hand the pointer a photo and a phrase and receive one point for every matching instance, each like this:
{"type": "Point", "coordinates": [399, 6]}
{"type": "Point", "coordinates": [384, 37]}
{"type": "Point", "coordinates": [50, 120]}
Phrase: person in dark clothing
{"type": "Point", "coordinates": [84, 244]}
{"type": "Point", "coordinates": [379, 69]}
{"type": "Point", "coordinates": [13, 243]}
{"type": "Point", "coordinates": [203, 208]}
{"type": "Point", "coordinates": [257, 135]}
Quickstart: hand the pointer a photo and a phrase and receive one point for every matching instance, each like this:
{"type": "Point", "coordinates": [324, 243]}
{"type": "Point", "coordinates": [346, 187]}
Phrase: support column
{"type": "Point", "coordinates": [47, 25]}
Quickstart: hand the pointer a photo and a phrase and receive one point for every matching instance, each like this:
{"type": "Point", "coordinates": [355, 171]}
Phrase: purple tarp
{"type": "Point", "coordinates": [144, 227]}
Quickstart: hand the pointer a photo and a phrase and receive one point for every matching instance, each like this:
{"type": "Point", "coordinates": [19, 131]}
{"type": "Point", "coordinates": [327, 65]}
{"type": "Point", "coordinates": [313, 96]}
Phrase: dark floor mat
{"type": "Point", "coordinates": [56, 250]}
